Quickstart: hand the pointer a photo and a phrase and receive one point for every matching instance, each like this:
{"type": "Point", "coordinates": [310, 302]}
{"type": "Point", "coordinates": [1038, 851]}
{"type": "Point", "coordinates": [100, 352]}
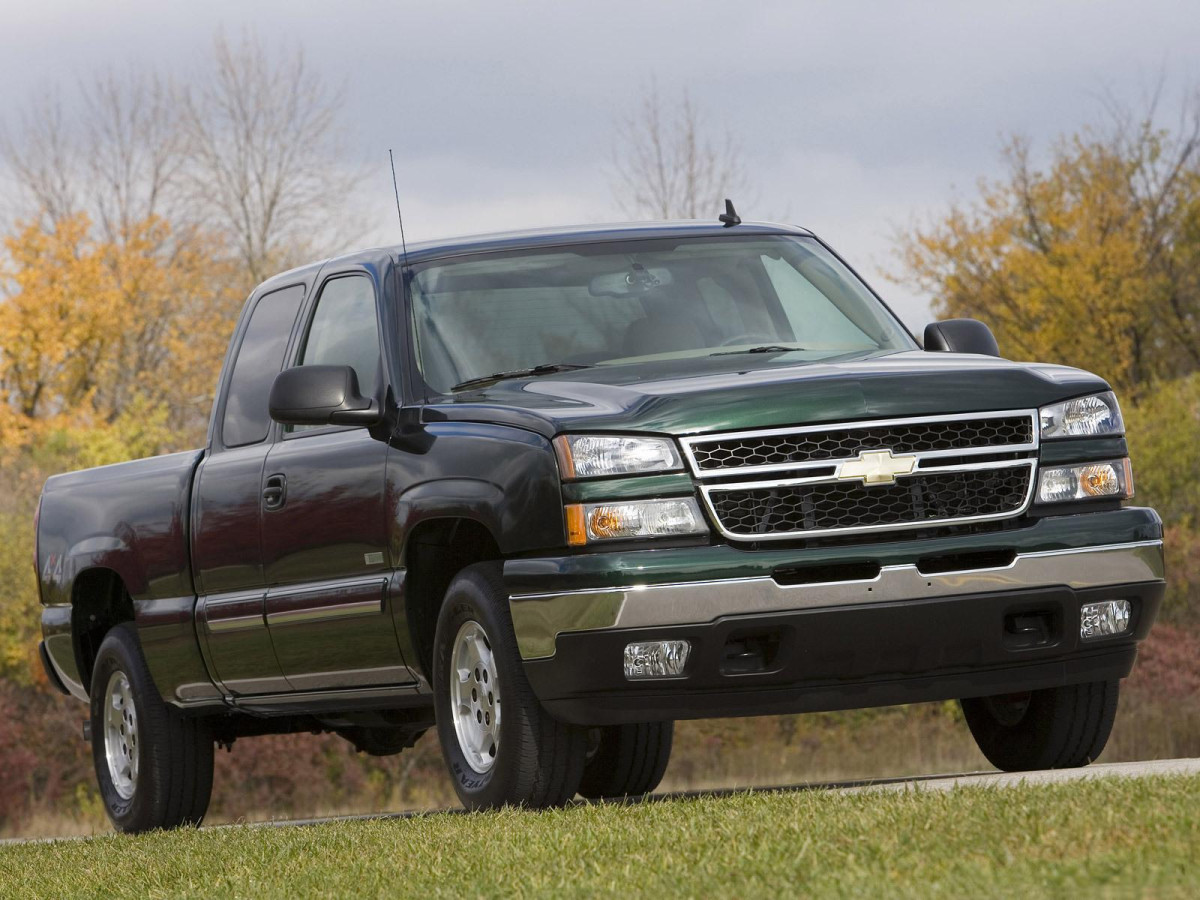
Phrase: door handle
{"type": "Point", "coordinates": [274, 491]}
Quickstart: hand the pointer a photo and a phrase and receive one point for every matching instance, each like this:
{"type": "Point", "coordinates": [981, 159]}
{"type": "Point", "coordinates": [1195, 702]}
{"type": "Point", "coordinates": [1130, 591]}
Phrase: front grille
{"type": "Point", "coordinates": [799, 446]}
{"type": "Point", "coordinates": [853, 477]}
{"type": "Point", "coordinates": [916, 500]}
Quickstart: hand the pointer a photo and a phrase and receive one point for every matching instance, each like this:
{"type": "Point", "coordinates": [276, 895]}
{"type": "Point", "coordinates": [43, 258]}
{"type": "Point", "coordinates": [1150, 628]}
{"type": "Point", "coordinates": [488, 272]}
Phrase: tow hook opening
{"type": "Point", "coordinates": [747, 654]}
{"type": "Point", "coordinates": [1025, 629]}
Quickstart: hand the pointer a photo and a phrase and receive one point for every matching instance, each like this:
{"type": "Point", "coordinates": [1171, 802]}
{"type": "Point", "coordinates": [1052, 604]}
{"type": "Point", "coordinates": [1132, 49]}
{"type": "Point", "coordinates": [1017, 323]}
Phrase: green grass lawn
{"type": "Point", "coordinates": [1111, 837]}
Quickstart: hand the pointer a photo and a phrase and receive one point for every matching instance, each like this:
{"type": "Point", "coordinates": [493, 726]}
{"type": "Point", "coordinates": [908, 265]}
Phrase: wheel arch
{"type": "Point", "coordinates": [435, 551]}
{"type": "Point", "coordinates": [99, 601]}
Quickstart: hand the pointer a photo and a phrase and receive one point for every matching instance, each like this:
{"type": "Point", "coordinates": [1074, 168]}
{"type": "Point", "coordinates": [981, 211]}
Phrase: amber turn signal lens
{"type": "Point", "coordinates": [566, 462]}
{"type": "Point", "coordinates": [576, 527]}
{"type": "Point", "coordinates": [624, 519]}
{"type": "Point", "coordinates": [1099, 481]}
{"type": "Point", "coordinates": [1113, 479]}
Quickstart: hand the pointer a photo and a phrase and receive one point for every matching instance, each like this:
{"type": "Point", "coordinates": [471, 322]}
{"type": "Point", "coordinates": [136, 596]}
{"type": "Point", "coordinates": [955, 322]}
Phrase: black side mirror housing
{"type": "Point", "coordinates": [321, 395]}
{"type": "Point", "coordinates": [961, 336]}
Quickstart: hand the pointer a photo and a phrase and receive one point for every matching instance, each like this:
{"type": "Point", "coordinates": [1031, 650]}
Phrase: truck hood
{"type": "Point", "coordinates": [744, 391]}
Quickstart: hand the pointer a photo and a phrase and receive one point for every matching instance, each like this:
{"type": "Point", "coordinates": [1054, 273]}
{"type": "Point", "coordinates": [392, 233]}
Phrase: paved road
{"type": "Point", "coordinates": [923, 783]}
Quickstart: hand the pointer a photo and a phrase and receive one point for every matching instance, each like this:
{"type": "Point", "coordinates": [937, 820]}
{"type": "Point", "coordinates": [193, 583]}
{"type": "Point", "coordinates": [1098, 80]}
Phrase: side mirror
{"type": "Point", "coordinates": [320, 395]}
{"type": "Point", "coordinates": [961, 336]}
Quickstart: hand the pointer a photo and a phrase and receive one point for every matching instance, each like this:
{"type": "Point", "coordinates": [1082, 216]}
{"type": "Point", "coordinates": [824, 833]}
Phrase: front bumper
{"type": "Point", "coordinates": [908, 634]}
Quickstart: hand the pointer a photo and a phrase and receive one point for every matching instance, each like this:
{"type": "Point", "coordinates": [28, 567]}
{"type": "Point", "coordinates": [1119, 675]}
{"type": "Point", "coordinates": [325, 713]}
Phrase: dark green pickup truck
{"type": "Point", "coordinates": [552, 491]}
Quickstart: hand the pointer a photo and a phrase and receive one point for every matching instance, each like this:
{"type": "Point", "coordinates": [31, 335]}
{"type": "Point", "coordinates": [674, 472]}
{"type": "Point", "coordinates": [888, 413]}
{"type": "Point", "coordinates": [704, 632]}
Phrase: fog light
{"type": "Point", "coordinates": [1097, 620]}
{"type": "Point", "coordinates": [656, 659]}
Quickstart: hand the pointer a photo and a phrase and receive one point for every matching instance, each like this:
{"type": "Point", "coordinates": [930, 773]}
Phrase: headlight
{"type": "Point", "coordinates": [1092, 416]}
{"type": "Point", "coordinates": [1113, 479]}
{"type": "Point", "coordinates": [589, 522]}
{"type": "Point", "coordinates": [593, 456]}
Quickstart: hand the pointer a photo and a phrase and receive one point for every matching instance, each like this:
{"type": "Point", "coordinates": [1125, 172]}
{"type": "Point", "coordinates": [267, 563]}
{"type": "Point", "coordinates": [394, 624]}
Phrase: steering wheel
{"type": "Point", "coordinates": [748, 338]}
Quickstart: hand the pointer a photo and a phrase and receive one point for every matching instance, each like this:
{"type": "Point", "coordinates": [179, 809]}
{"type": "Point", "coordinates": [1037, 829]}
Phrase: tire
{"type": "Point", "coordinates": [626, 760]}
{"type": "Point", "coordinates": [1056, 728]}
{"type": "Point", "coordinates": [515, 754]}
{"type": "Point", "coordinates": [164, 779]}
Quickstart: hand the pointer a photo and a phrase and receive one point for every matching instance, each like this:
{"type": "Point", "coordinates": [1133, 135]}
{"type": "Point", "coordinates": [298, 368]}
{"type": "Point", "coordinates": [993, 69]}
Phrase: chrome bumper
{"type": "Point", "coordinates": [538, 619]}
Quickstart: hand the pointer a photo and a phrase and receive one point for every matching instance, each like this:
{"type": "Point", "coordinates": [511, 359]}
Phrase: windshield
{"type": "Point", "coordinates": [625, 302]}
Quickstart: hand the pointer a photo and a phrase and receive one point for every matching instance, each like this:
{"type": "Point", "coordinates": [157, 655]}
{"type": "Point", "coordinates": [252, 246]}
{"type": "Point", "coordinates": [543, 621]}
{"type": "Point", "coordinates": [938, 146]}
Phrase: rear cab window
{"type": "Point", "coordinates": [247, 419]}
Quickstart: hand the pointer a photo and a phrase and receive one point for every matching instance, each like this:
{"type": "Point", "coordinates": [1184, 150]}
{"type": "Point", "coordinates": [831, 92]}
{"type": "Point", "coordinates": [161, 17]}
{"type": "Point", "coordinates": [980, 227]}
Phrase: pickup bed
{"type": "Point", "coordinates": [549, 492]}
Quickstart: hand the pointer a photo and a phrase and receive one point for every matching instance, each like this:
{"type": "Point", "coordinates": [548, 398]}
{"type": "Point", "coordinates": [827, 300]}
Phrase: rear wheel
{"type": "Point", "coordinates": [501, 747]}
{"type": "Point", "coordinates": [153, 764]}
{"type": "Point", "coordinates": [1055, 728]}
{"type": "Point", "coordinates": [626, 760]}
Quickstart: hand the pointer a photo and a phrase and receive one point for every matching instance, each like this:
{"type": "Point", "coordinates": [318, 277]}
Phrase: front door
{"type": "Point", "coordinates": [226, 545]}
{"type": "Point", "coordinates": [325, 532]}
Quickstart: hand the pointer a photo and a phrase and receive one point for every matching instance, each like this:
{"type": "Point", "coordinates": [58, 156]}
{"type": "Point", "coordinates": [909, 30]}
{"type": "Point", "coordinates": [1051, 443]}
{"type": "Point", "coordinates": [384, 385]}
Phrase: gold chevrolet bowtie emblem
{"type": "Point", "coordinates": [877, 467]}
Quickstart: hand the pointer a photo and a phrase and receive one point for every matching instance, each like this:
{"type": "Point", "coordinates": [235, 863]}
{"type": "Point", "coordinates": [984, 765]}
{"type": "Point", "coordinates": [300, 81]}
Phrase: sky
{"type": "Point", "coordinates": [855, 119]}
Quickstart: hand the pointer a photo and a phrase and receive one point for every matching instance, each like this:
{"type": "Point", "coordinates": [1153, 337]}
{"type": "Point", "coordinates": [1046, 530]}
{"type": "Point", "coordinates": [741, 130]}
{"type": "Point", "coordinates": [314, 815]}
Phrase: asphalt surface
{"type": "Point", "coordinates": [922, 783]}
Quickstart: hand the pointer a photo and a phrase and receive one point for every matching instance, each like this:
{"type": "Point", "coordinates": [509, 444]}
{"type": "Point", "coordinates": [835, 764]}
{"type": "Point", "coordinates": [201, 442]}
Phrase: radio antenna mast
{"type": "Point", "coordinates": [399, 215]}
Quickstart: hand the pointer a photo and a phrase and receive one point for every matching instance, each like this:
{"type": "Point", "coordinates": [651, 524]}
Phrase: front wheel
{"type": "Point", "coordinates": [626, 760]}
{"type": "Point", "coordinates": [501, 747]}
{"type": "Point", "coordinates": [1055, 728]}
{"type": "Point", "coordinates": [153, 764]}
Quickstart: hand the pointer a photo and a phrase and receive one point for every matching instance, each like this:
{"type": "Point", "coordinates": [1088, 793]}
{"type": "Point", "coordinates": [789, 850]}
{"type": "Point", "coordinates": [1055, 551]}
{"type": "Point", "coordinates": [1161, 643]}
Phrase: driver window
{"type": "Point", "coordinates": [344, 332]}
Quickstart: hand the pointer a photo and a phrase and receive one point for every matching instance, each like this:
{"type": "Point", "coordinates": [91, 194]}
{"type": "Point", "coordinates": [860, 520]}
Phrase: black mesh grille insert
{"type": "Point", "coordinates": [845, 443]}
{"type": "Point", "coordinates": [911, 500]}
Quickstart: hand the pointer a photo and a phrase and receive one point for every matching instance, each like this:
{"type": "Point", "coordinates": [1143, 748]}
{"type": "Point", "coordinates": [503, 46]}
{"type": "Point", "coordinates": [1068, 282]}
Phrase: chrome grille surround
{"type": "Point", "coordinates": [786, 483]}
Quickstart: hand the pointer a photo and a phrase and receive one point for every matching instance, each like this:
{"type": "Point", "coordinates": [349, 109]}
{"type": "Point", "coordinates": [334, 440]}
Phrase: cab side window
{"type": "Point", "coordinates": [344, 331]}
{"type": "Point", "coordinates": [260, 357]}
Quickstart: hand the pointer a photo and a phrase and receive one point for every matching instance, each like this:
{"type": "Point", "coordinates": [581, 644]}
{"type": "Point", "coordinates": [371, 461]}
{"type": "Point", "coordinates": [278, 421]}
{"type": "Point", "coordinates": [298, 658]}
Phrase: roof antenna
{"type": "Point", "coordinates": [400, 215]}
{"type": "Point", "coordinates": [729, 218]}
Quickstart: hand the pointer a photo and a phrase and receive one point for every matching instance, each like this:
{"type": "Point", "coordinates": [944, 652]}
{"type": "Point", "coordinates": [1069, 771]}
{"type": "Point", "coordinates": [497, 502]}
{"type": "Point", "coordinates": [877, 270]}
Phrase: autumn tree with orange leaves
{"type": "Point", "coordinates": [93, 331]}
{"type": "Point", "coordinates": [1091, 258]}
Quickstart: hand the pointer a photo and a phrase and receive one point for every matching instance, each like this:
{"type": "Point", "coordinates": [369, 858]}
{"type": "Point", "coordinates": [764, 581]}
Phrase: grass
{"type": "Point", "coordinates": [1109, 837]}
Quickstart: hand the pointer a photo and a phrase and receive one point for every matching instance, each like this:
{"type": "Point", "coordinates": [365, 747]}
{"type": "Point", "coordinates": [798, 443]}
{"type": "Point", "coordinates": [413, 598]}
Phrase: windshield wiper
{"type": "Point", "coordinates": [766, 348]}
{"type": "Point", "coordinates": [544, 369]}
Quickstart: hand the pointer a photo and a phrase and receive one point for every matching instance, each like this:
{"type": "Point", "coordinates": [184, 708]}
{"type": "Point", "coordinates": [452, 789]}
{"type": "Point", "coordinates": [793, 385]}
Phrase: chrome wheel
{"type": "Point", "coordinates": [475, 696]}
{"type": "Point", "coordinates": [121, 735]}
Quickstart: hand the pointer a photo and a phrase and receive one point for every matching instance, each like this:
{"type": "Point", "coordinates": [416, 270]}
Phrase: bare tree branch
{"type": "Point", "coordinates": [133, 160]}
{"type": "Point", "coordinates": [665, 166]}
{"type": "Point", "coordinates": [264, 156]}
{"type": "Point", "coordinates": [43, 155]}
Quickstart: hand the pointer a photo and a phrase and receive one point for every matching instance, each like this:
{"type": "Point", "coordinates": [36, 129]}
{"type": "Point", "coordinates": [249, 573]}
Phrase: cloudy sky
{"type": "Point", "coordinates": [855, 119]}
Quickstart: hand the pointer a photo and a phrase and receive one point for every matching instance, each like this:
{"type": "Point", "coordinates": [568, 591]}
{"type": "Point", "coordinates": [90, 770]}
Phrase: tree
{"type": "Point", "coordinates": [1092, 260]}
{"type": "Point", "coordinates": [117, 158]}
{"type": "Point", "coordinates": [192, 195]}
{"type": "Point", "coordinates": [263, 156]}
{"type": "Point", "coordinates": [666, 166]}
{"type": "Point", "coordinates": [248, 155]}
{"type": "Point", "coordinates": [90, 328]}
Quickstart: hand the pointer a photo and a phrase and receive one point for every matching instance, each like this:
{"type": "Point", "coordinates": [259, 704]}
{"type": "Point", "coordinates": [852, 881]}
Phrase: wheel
{"type": "Point", "coordinates": [626, 760]}
{"type": "Point", "coordinates": [154, 764]}
{"type": "Point", "coordinates": [1056, 728]}
{"type": "Point", "coordinates": [501, 747]}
